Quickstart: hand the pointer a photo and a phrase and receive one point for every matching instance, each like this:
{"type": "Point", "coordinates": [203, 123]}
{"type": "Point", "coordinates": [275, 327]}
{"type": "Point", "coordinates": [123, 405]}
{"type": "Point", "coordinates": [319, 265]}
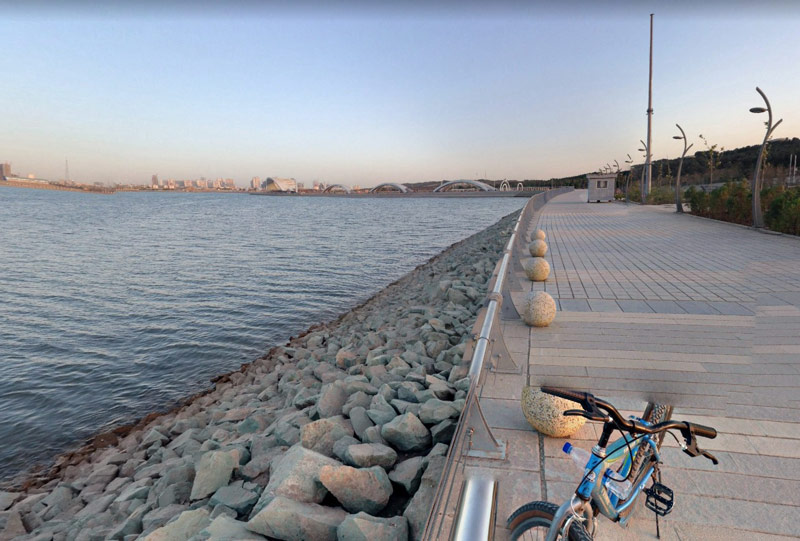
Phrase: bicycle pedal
{"type": "Point", "coordinates": [659, 499]}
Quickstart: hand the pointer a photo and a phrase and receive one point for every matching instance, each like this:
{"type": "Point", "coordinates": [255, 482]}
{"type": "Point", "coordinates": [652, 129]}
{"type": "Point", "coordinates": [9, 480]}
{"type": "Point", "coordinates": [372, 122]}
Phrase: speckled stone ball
{"type": "Point", "coordinates": [538, 235]}
{"type": "Point", "coordinates": [539, 309]}
{"type": "Point", "coordinates": [544, 412]}
{"type": "Point", "coordinates": [538, 248]}
{"type": "Point", "coordinates": [537, 269]}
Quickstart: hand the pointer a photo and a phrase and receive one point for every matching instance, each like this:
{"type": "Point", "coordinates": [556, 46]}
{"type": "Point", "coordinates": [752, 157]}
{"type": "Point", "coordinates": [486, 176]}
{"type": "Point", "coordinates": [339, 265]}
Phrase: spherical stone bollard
{"type": "Point", "coordinates": [545, 413]}
{"type": "Point", "coordinates": [539, 309]}
{"type": "Point", "coordinates": [538, 248]}
{"type": "Point", "coordinates": [538, 235]}
{"type": "Point", "coordinates": [537, 269]}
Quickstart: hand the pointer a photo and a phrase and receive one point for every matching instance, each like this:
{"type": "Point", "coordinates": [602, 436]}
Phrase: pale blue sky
{"type": "Point", "coordinates": [362, 96]}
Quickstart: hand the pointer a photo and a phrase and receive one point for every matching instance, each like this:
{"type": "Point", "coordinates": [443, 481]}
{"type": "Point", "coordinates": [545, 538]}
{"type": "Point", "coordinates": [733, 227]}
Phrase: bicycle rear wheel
{"type": "Point", "coordinates": [531, 522]}
{"type": "Point", "coordinates": [653, 414]}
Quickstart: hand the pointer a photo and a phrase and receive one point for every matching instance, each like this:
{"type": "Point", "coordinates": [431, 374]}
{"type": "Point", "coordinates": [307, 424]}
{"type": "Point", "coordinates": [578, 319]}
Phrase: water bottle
{"type": "Point", "coordinates": [621, 488]}
{"type": "Point", "coordinates": [578, 455]}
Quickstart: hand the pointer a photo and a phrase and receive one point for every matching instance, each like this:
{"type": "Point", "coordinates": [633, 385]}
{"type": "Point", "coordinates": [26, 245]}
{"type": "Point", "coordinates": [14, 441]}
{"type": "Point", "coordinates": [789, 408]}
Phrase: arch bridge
{"type": "Point", "coordinates": [482, 186]}
{"type": "Point", "coordinates": [400, 187]}
{"type": "Point", "coordinates": [337, 188]}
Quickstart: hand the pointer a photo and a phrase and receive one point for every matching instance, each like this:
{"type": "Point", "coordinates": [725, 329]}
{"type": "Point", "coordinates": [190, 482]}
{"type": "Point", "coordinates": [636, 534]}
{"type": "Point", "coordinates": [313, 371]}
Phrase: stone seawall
{"type": "Point", "coordinates": [340, 434]}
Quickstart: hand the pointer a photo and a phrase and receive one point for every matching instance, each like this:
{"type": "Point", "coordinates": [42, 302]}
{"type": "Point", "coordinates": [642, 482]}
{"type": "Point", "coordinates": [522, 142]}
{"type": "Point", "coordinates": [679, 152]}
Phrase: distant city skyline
{"type": "Point", "coordinates": [360, 96]}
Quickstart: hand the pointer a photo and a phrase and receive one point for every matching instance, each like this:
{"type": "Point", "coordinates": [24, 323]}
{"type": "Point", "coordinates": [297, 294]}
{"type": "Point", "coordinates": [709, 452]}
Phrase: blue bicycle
{"type": "Point", "coordinates": [614, 475]}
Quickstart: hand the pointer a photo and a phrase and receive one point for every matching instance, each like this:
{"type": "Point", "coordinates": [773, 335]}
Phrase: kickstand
{"type": "Point", "coordinates": [658, 531]}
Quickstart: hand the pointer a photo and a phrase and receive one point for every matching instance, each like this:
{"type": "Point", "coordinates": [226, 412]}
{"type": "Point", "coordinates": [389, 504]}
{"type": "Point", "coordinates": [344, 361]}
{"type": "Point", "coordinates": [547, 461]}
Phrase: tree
{"type": "Point", "coordinates": [712, 158]}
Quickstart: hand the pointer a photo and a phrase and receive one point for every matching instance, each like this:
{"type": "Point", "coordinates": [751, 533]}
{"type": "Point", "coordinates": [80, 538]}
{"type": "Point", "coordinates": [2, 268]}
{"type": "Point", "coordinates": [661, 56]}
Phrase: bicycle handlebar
{"type": "Point", "coordinates": [592, 407]}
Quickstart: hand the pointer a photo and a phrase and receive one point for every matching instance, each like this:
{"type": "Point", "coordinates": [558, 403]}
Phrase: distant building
{"type": "Point", "coordinates": [171, 184]}
{"type": "Point", "coordinates": [279, 185]}
{"type": "Point", "coordinates": [300, 186]}
{"type": "Point", "coordinates": [154, 181]}
{"type": "Point", "coordinates": [230, 184]}
{"type": "Point", "coordinates": [202, 183]}
{"type": "Point", "coordinates": [255, 183]}
{"type": "Point", "coordinates": [5, 170]}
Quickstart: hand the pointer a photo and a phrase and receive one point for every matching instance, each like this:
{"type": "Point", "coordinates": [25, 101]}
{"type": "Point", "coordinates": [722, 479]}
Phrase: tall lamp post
{"type": "Point", "coordinates": [758, 218]}
{"type": "Point", "coordinates": [629, 161]}
{"type": "Point", "coordinates": [678, 202]}
{"type": "Point", "coordinates": [645, 169]}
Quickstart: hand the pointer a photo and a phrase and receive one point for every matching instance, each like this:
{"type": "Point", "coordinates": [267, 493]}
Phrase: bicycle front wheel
{"type": "Point", "coordinates": [532, 521]}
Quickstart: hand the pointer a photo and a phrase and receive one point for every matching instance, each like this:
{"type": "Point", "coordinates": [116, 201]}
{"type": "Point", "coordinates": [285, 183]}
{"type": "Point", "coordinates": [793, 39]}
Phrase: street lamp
{"type": "Point", "coordinates": [678, 203]}
{"type": "Point", "coordinates": [629, 161]}
{"type": "Point", "coordinates": [645, 169]}
{"type": "Point", "coordinates": [758, 219]}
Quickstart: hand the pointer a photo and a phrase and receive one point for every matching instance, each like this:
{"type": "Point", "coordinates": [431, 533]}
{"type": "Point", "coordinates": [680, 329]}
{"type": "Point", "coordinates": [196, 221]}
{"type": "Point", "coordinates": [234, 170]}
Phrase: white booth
{"type": "Point", "coordinates": [601, 187]}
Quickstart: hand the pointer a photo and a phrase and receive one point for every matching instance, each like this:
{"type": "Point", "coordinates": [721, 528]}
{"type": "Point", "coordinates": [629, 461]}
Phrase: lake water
{"type": "Point", "coordinates": [112, 306]}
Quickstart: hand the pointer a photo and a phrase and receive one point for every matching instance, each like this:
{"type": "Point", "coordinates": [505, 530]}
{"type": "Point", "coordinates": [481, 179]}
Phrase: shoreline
{"type": "Point", "coordinates": [80, 462]}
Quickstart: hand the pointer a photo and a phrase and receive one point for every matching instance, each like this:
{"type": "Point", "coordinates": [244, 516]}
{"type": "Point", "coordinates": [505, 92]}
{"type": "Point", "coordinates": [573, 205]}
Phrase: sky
{"type": "Point", "coordinates": [359, 94]}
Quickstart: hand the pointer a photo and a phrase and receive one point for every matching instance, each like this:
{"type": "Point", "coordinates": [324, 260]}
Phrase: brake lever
{"type": "Point", "coordinates": [691, 449]}
{"type": "Point", "coordinates": [592, 416]}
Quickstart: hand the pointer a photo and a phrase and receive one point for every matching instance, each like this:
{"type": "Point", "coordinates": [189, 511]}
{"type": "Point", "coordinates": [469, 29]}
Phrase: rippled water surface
{"type": "Point", "coordinates": [113, 306]}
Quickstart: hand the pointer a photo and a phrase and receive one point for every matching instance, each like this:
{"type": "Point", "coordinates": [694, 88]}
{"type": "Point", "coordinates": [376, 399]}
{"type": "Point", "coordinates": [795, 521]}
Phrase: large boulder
{"type": "Point", "coordinates": [289, 520]}
{"type": "Point", "coordinates": [214, 470]}
{"type": "Point", "coordinates": [435, 411]}
{"type": "Point", "coordinates": [225, 528]}
{"type": "Point", "coordinates": [545, 413]}
{"type": "Point", "coordinates": [417, 510]}
{"type": "Point", "coordinates": [320, 435]}
{"type": "Point", "coordinates": [296, 476]}
{"type": "Point", "coordinates": [236, 497]}
{"type": "Point", "coordinates": [182, 528]}
{"type": "Point", "coordinates": [364, 527]}
{"type": "Point", "coordinates": [332, 399]}
{"type": "Point", "coordinates": [357, 490]}
{"type": "Point", "coordinates": [366, 455]}
{"type": "Point", "coordinates": [408, 473]}
{"type": "Point", "coordinates": [406, 433]}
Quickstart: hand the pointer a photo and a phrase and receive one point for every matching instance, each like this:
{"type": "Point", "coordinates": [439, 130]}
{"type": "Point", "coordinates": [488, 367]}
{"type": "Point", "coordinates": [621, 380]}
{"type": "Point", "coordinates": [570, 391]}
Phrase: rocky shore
{"type": "Point", "coordinates": [340, 434]}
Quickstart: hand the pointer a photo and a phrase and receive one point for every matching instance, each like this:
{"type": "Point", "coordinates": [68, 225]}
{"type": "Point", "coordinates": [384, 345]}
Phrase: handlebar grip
{"type": "Point", "coordinates": [701, 430]}
{"type": "Point", "coordinates": [575, 396]}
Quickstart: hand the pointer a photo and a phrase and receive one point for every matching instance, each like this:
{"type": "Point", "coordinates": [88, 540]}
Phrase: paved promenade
{"type": "Point", "coordinates": [654, 305]}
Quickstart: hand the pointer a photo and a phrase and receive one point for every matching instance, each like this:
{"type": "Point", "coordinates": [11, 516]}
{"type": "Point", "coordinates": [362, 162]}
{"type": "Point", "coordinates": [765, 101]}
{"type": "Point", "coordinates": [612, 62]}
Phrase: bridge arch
{"type": "Point", "coordinates": [395, 185]}
{"type": "Point", "coordinates": [482, 186]}
{"type": "Point", "coordinates": [337, 187]}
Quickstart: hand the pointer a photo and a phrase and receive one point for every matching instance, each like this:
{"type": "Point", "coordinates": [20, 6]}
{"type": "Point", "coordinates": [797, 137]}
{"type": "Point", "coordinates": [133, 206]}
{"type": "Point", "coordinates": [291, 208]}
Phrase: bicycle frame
{"type": "Point", "coordinates": [593, 490]}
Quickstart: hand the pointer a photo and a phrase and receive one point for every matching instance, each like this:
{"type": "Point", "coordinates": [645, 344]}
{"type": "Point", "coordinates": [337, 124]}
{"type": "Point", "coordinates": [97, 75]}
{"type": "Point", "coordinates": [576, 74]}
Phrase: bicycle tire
{"type": "Point", "coordinates": [540, 515]}
{"type": "Point", "coordinates": [653, 414]}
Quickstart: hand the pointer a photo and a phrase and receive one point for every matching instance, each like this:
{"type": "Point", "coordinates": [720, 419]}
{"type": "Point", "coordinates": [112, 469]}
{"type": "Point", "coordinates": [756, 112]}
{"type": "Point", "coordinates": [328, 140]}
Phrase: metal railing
{"type": "Point", "coordinates": [474, 518]}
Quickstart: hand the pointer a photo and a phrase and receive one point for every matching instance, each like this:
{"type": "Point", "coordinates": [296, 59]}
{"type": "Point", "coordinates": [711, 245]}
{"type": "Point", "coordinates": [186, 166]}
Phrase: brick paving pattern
{"type": "Point", "coordinates": [654, 305]}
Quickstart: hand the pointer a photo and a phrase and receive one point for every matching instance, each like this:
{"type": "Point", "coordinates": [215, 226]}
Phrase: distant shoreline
{"type": "Point", "coordinates": [56, 187]}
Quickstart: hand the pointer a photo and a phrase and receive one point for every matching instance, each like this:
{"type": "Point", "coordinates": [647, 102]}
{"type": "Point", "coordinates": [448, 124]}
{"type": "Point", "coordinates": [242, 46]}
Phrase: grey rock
{"type": "Point", "coordinates": [373, 435]}
{"type": "Point", "coordinates": [160, 516]}
{"type": "Point", "coordinates": [360, 421]}
{"type": "Point", "coordinates": [96, 506]}
{"type": "Point", "coordinates": [357, 399]}
{"type": "Point", "coordinates": [435, 411]}
{"type": "Point", "coordinates": [417, 510]}
{"type": "Point", "coordinates": [102, 475]}
{"type": "Point", "coordinates": [174, 493]}
{"type": "Point", "coordinates": [365, 489]}
{"type": "Point", "coordinates": [7, 499]}
{"type": "Point", "coordinates": [341, 445]}
{"type": "Point", "coordinates": [366, 455]}
{"type": "Point", "coordinates": [439, 449]}
{"type": "Point", "coordinates": [443, 432]}
{"type": "Point", "coordinates": [406, 433]}
{"type": "Point", "coordinates": [236, 498]}
{"type": "Point", "coordinates": [320, 435]}
{"type": "Point", "coordinates": [182, 528]}
{"type": "Point", "coordinates": [365, 527]}
{"type": "Point", "coordinates": [15, 528]}
{"type": "Point", "coordinates": [138, 490]}
{"type": "Point", "coordinates": [332, 399]}
{"type": "Point", "coordinates": [408, 390]}
{"type": "Point", "coordinates": [409, 473]}
{"type": "Point", "coordinates": [296, 521]}
{"type": "Point", "coordinates": [213, 471]}
{"type": "Point", "coordinates": [296, 476]}
{"type": "Point", "coordinates": [224, 528]}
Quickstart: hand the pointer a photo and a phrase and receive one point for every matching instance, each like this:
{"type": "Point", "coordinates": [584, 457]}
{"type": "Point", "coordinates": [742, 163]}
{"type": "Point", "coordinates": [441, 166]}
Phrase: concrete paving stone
{"type": "Point", "coordinates": [697, 307]}
{"type": "Point", "coordinates": [575, 305]}
{"type": "Point", "coordinates": [604, 305]}
{"type": "Point", "coordinates": [504, 414]}
{"type": "Point", "coordinates": [636, 306]}
{"type": "Point", "coordinates": [665, 307]}
{"type": "Point", "coordinates": [731, 308]}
